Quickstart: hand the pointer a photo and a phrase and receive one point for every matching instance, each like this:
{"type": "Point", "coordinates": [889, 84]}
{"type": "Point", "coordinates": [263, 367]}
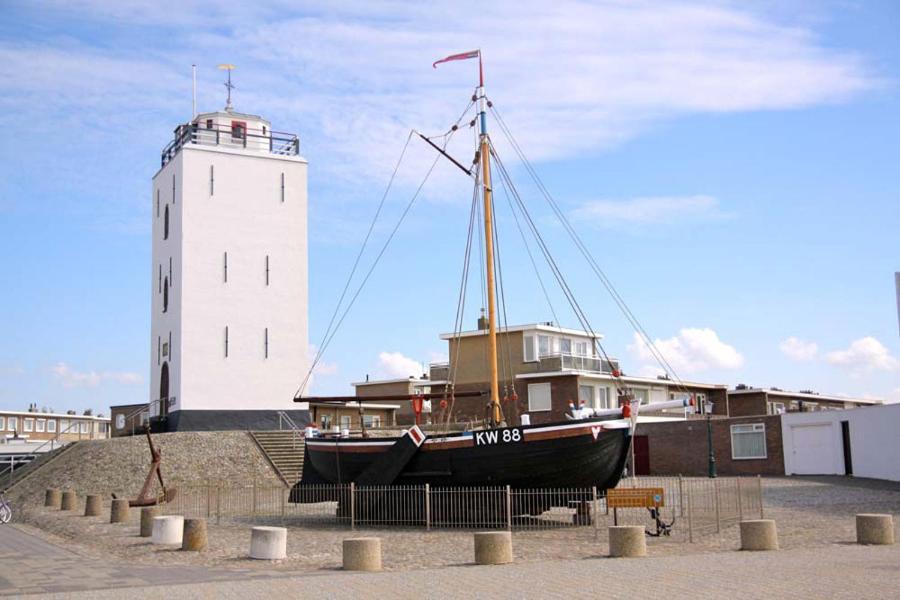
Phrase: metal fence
{"type": "Point", "coordinates": [695, 507]}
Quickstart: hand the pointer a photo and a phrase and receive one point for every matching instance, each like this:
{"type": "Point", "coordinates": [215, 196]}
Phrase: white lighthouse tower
{"type": "Point", "coordinates": [229, 299]}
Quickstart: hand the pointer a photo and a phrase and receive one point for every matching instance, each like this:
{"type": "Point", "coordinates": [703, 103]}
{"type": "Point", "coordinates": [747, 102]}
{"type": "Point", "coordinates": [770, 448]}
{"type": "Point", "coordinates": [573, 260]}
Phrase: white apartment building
{"type": "Point", "coordinates": [228, 343]}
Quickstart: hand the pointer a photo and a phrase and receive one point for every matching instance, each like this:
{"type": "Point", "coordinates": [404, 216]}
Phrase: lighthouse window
{"type": "Point", "coordinates": [264, 130]}
{"type": "Point", "coordinates": [209, 124]}
{"type": "Point", "coordinates": [166, 223]}
{"type": "Point", "coordinates": [238, 130]}
{"type": "Point", "coordinates": [225, 265]}
{"type": "Point", "coordinates": [267, 269]}
{"type": "Point", "coordinates": [166, 295]}
{"type": "Point", "coordinates": [226, 341]}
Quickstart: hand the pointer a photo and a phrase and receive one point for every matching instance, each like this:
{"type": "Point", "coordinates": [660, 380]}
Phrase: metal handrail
{"type": "Point", "coordinates": [279, 143]}
{"type": "Point", "coordinates": [283, 417]}
{"type": "Point", "coordinates": [33, 454]}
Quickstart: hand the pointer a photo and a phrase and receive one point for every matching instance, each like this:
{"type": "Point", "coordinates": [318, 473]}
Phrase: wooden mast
{"type": "Point", "coordinates": [496, 416]}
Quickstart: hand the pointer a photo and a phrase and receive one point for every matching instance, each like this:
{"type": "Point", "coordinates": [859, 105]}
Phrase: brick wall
{"type": "Point", "coordinates": [680, 447]}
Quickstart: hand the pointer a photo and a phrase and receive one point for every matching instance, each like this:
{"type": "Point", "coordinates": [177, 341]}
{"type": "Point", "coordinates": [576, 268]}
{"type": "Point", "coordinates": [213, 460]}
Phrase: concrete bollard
{"type": "Point", "coordinates": [168, 530]}
{"type": "Point", "coordinates": [147, 515]}
{"type": "Point", "coordinates": [69, 500]}
{"type": "Point", "coordinates": [268, 543]}
{"type": "Point", "coordinates": [493, 548]}
{"type": "Point", "coordinates": [53, 498]}
{"type": "Point", "coordinates": [194, 535]}
{"type": "Point", "coordinates": [874, 529]}
{"type": "Point", "coordinates": [118, 511]}
{"type": "Point", "coordinates": [362, 554]}
{"type": "Point", "coordinates": [759, 534]}
{"type": "Point", "coordinates": [627, 541]}
{"type": "Point", "coordinates": [93, 506]}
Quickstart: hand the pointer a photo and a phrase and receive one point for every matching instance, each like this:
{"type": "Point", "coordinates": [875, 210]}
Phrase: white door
{"type": "Point", "coordinates": [813, 451]}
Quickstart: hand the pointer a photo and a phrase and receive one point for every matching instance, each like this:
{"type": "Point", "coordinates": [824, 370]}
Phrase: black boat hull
{"type": "Point", "coordinates": [569, 455]}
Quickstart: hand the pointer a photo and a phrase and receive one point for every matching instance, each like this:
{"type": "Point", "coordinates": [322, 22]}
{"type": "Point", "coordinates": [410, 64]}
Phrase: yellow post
{"type": "Point", "coordinates": [489, 255]}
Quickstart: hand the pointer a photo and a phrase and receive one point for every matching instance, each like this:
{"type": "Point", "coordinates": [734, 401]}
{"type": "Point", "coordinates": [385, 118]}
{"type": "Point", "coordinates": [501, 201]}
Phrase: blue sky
{"type": "Point", "coordinates": [732, 167]}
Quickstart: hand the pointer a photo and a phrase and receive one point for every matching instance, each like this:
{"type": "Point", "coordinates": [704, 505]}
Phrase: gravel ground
{"type": "Point", "coordinates": [809, 512]}
{"type": "Point", "coordinates": [120, 465]}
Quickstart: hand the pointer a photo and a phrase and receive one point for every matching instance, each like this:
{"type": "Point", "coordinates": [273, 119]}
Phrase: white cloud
{"type": "Point", "coordinates": [863, 356]}
{"type": "Point", "coordinates": [70, 378]}
{"type": "Point", "coordinates": [796, 349]}
{"type": "Point", "coordinates": [659, 209]}
{"type": "Point", "coordinates": [394, 364]}
{"type": "Point", "coordinates": [692, 350]}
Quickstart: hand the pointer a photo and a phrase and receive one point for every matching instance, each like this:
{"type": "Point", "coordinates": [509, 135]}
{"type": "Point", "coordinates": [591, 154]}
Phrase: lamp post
{"type": "Point", "coordinates": [708, 407]}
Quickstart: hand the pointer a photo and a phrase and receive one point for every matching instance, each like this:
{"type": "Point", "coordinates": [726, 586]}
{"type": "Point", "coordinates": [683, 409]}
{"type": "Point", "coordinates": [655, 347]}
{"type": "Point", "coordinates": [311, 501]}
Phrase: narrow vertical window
{"type": "Point", "coordinates": [158, 349]}
{"type": "Point", "coordinates": [267, 269]}
{"type": "Point", "coordinates": [173, 188]}
{"type": "Point", "coordinates": [170, 271]}
{"type": "Point", "coordinates": [160, 279]}
{"type": "Point", "coordinates": [226, 341]}
{"type": "Point", "coordinates": [157, 203]}
{"type": "Point", "coordinates": [166, 223]}
{"type": "Point", "coordinates": [266, 342]}
{"type": "Point", "coordinates": [212, 180]}
{"type": "Point", "coordinates": [170, 346]}
{"type": "Point", "coordinates": [166, 295]}
{"type": "Point", "coordinates": [225, 264]}
{"type": "Point", "coordinates": [282, 187]}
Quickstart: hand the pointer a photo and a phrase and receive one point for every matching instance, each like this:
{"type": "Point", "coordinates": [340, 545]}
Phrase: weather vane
{"type": "Point", "coordinates": [228, 85]}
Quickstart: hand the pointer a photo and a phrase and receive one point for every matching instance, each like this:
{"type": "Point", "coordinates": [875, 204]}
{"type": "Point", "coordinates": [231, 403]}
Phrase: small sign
{"type": "Point", "coordinates": [120, 421]}
{"type": "Point", "coordinates": [490, 437]}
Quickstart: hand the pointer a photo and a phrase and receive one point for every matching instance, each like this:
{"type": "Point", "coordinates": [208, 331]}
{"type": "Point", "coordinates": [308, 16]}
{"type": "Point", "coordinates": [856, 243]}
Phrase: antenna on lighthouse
{"type": "Point", "coordinates": [193, 91]}
{"type": "Point", "coordinates": [228, 86]}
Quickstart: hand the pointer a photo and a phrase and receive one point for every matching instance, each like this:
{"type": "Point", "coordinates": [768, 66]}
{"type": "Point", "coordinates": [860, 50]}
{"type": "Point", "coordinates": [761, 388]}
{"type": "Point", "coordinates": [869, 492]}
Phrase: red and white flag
{"type": "Point", "coordinates": [463, 56]}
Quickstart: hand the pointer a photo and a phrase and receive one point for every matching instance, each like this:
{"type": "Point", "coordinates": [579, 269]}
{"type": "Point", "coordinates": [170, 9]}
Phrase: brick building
{"type": "Point", "coordinates": [744, 400]}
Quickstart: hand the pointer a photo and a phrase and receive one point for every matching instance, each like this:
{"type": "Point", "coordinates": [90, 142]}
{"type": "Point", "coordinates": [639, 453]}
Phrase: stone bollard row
{"type": "Point", "coordinates": [194, 535]}
{"type": "Point", "coordinates": [119, 511]}
{"type": "Point", "coordinates": [93, 506]}
{"type": "Point", "coordinates": [759, 534]}
{"type": "Point", "coordinates": [53, 498]}
{"type": "Point", "coordinates": [168, 530]}
{"type": "Point", "coordinates": [874, 529]}
{"type": "Point", "coordinates": [69, 500]}
{"type": "Point", "coordinates": [493, 548]}
{"type": "Point", "coordinates": [268, 543]}
{"type": "Point", "coordinates": [148, 513]}
{"type": "Point", "coordinates": [362, 554]}
{"type": "Point", "coordinates": [627, 541]}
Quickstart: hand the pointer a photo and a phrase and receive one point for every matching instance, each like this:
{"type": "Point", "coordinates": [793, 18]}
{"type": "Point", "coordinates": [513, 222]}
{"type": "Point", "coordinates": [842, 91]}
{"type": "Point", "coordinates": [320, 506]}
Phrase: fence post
{"type": "Point", "coordinates": [595, 510]}
{"type": "Point", "coordinates": [740, 501]}
{"type": "Point", "coordinates": [283, 493]}
{"type": "Point", "coordinates": [208, 498]}
{"type": "Point", "coordinates": [508, 509]}
{"type": "Point", "coordinates": [716, 493]}
{"type": "Point", "coordinates": [253, 499]}
{"type": "Point", "coordinates": [428, 507]}
{"type": "Point", "coordinates": [690, 516]}
{"type": "Point", "coordinates": [759, 495]}
{"type": "Point", "coordinates": [352, 505]}
{"type": "Point", "coordinates": [218, 505]}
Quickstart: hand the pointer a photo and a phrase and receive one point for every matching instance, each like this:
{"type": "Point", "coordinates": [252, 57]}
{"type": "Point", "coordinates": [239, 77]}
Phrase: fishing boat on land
{"type": "Point", "coordinates": [589, 450]}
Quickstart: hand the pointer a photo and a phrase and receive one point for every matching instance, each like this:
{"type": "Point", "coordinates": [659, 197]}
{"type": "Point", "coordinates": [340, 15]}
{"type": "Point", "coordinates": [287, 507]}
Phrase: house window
{"type": "Point", "coordinates": [581, 348]}
{"type": "Point", "coordinates": [84, 426]}
{"type": "Point", "coordinates": [539, 397]}
{"type": "Point", "coordinates": [586, 395]}
{"type": "Point", "coordinates": [602, 398]}
{"type": "Point", "coordinates": [775, 408]}
{"type": "Point", "coordinates": [528, 352]}
{"type": "Point", "coordinates": [166, 223]}
{"type": "Point", "coordinates": [2, 423]}
{"type": "Point", "coordinates": [371, 420]}
{"type": "Point", "coordinates": [565, 346]}
{"type": "Point", "coordinates": [103, 428]}
{"type": "Point", "coordinates": [29, 425]}
{"type": "Point", "coordinates": [40, 426]}
{"type": "Point", "coordinates": [543, 345]}
{"type": "Point", "coordinates": [325, 422]}
{"type": "Point", "coordinates": [641, 396]}
{"type": "Point", "coordinates": [13, 424]}
{"type": "Point", "coordinates": [345, 421]}
{"type": "Point", "coordinates": [64, 426]}
{"type": "Point", "coordinates": [51, 425]}
{"type": "Point", "coordinates": [748, 441]}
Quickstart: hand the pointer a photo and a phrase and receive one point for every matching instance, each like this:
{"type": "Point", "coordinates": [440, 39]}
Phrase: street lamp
{"type": "Point", "coordinates": [708, 407]}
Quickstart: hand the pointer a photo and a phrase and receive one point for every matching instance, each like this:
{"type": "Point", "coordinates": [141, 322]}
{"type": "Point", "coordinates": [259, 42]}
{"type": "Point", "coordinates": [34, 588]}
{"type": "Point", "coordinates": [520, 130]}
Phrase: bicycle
{"type": "Point", "coordinates": [5, 509]}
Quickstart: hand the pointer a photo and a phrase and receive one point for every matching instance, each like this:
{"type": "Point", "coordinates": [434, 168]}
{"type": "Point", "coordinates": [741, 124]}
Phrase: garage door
{"type": "Point", "coordinates": [813, 452]}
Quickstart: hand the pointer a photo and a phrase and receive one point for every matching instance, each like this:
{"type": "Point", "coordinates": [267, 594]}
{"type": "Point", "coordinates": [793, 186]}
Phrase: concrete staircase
{"type": "Point", "coordinates": [284, 451]}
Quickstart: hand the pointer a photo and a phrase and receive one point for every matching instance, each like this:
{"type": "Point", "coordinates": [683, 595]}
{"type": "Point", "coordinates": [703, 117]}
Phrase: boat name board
{"type": "Point", "coordinates": [491, 437]}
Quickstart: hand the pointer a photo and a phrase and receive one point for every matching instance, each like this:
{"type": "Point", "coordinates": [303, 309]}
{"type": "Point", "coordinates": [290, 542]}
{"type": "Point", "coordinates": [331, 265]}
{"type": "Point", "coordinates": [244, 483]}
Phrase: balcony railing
{"type": "Point", "coordinates": [561, 362]}
{"type": "Point", "coordinates": [272, 142]}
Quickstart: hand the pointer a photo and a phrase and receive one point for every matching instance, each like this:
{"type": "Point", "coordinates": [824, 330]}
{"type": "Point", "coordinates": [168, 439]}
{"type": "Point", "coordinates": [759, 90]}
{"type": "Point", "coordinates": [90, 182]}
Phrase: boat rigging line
{"type": "Point", "coordinates": [334, 324]}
